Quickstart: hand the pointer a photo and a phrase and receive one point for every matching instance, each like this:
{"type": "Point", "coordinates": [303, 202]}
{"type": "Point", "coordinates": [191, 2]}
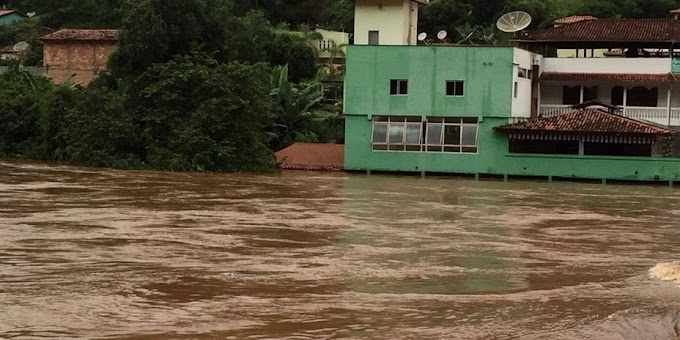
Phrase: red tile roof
{"type": "Point", "coordinates": [610, 77]}
{"type": "Point", "coordinates": [312, 156]}
{"type": "Point", "coordinates": [587, 121]}
{"type": "Point", "coordinates": [574, 19]}
{"type": "Point", "coordinates": [84, 35]}
{"type": "Point", "coordinates": [619, 30]}
{"type": "Point", "coordinates": [10, 11]}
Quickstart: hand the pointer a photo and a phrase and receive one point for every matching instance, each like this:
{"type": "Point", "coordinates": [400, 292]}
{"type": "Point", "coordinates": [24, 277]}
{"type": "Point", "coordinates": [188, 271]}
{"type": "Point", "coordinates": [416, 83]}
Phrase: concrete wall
{"type": "Point", "coordinates": [521, 105]}
{"type": "Point", "coordinates": [551, 94]}
{"type": "Point", "coordinates": [78, 61]}
{"type": "Point", "coordinates": [487, 72]}
{"type": "Point", "coordinates": [396, 20]}
{"type": "Point", "coordinates": [608, 65]}
{"type": "Point", "coordinates": [493, 158]}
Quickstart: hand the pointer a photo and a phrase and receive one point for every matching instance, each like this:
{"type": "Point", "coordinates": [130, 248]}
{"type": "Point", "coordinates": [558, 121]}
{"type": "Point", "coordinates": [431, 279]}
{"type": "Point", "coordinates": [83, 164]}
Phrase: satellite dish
{"type": "Point", "coordinates": [514, 21]}
{"type": "Point", "coordinates": [20, 47]}
{"type": "Point", "coordinates": [442, 35]}
{"type": "Point", "coordinates": [30, 14]}
{"type": "Point", "coordinates": [422, 36]}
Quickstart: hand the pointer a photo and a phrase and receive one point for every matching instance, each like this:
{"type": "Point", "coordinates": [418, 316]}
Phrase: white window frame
{"type": "Point", "coordinates": [455, 87]}
{"type": "Point", "coordinates": [399, 87]}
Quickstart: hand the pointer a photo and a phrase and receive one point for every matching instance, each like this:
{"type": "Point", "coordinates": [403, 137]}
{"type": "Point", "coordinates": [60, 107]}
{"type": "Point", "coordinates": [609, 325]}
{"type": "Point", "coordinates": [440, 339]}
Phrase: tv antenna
{"type": "Point", "coordinates": [422, 36]}
{"type": "Point", "coordinates": [441, 35]}
{"type": "Point", "coordinates": [20, 47]}
{"type": "Point", "coordinates": [514, 21]}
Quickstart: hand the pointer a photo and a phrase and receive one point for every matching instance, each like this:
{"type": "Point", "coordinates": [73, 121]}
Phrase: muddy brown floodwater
{"type": "Point", "coordinates": [102, 254]}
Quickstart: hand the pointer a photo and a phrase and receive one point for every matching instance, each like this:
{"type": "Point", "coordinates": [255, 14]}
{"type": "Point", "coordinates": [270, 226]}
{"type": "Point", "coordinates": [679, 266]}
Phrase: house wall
{"type": "Point", "coordinates": [521, 105]}
{"type": "Point", "coordinates": [339, 38]}
{"type": "Point", "coordinates": [11, 18]}
{"type": "Point", "coordinates": [78, 61]}
{"type": "Point", "coordinates": [493, 158]}
{"type": "Point", "coordinates": [551, 94]}
{"type": "Point", "coordinates": [396, 20]}
{"type": "Point", "coordinates": [486, 71]}
{"type": "Point", "coordinates": [608, 65]}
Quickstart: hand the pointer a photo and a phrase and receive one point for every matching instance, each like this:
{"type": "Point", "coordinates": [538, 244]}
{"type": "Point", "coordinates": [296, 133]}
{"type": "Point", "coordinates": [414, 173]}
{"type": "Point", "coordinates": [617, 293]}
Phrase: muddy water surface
{"type": "Point", "coordinates": [110, 254]}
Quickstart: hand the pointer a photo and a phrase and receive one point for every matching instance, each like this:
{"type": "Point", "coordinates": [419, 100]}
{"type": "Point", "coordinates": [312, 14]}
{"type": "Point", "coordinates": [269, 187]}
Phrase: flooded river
{"type": "Point", "coordinates": [111, 254]}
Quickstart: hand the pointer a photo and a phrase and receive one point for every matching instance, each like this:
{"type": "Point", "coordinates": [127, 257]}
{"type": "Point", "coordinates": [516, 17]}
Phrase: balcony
{"type": "Point", "coordinates": [607, 65]}
{"type": "Point", "coordinates": [656, 115]}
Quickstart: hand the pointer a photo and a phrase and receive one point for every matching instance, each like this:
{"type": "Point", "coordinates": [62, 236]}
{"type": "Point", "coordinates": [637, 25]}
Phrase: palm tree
{"type": "Point", "coordinates": [296, 108]}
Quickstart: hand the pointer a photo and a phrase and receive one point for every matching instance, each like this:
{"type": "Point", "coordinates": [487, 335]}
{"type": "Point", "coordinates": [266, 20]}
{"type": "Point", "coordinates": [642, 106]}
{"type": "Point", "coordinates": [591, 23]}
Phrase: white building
{"type": "Point", "coordinates": [386, 22]}
{"type": "Point", "coordinates": [640, 75]}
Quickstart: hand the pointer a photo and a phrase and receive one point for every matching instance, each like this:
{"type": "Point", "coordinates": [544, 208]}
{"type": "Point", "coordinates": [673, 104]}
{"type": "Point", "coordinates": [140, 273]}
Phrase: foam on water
{"type": "Point", "coordinates": [666, 271]}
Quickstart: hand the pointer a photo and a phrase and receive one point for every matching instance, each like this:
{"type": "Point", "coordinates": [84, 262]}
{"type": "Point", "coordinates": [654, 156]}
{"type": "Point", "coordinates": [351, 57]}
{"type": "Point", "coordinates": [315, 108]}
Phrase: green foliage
{"type": "Point", "coordinates": [200, 115]}
{"type": "Point", "coordinates": [293, 50]}
{"type": "Point", "coordinates": [297, 108]}
{"type": "Point", "coordinates": [22, 104]}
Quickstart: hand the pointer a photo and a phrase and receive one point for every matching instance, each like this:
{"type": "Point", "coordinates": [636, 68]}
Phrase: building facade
{"type": "Point", "coordinates": [386, 22]}
{"type": "Point", "coordinates": [77, 55]}
{"type": "Point", "coordinates": [527, 111]}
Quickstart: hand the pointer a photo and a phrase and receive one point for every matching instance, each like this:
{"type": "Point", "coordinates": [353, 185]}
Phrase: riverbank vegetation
{"type": "Point", "coordinates": [211, 85]}
{"type": "Point", "coordinates": [192, 87]}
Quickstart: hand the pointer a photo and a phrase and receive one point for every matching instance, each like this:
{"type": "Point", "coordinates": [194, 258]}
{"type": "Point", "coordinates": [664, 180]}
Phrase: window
{"type": "Point", "coordinates": [516, 89]}
{"type": "Point", "coordinates": [617, 95]}
{"type": "Point", "coordinates": [451, 135]}
{"type": "Point", "coordinates": [455, 88]}
{"type": "Point", "coordinates": [373, 37]}
{"type": "Point", "coordinates": [589, 93]}
{"type": "Point", "coordinates": [437, 134]}
{"type": "Point", "coordinates": [398, 87]}
{"type": "Point", "coordinates": [397, 133]}
{"type": "Point", "coordinates": [522, 73]}
{"type": "Point", "coordinates": [642, 96]}
{"type": "Point", "coordinates": [571, 95]}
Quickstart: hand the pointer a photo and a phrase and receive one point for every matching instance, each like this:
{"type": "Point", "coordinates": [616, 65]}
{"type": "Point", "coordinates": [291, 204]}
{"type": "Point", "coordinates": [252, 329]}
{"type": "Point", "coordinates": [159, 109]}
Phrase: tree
{"type": "Point", "coordinates": [296, 108]}
{"type": "Point", "coordinates": [196, 114]}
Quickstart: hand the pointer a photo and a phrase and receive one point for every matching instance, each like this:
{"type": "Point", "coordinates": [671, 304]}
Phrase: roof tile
{"type": "Point", "coordinates": [622, 30]}
{"type": "Point", "coordinates": [312, 156]}
{"type": "Point", "coordinates": [587, 121]}
{"type": "Point", "coordinates": [609, 77]}
{"type": "Point", "coordinates": [85, 35]}
{"type": "Point", "coordinates": [574, 19]}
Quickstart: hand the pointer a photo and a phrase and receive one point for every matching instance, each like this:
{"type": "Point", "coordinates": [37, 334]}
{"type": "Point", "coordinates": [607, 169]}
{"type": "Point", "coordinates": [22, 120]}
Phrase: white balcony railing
{"type": "Point", "coordinates": [656, 115]}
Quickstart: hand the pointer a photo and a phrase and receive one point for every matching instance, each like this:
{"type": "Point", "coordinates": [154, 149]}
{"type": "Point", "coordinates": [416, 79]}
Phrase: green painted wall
{"type": "Point", "coordinates": [487, 72]}
{"type": "Point", "coordinates": [493, 158]}
{"type": "Point", "coordinates": [10, 18]}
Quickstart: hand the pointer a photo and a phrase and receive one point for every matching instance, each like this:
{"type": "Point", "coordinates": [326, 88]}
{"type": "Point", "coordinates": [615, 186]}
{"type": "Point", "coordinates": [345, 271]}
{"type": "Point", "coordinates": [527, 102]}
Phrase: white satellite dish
{"type": "Point", "coordinates": [422, 36]}
{"type": "Point", "coordinates": [441, 35]}
{"type": "Point", "coordinates": [30, 14]}
{"type": "Point", "coordinates": [20, 47]}
{"type": "Point", "coordinates": [514, 21]}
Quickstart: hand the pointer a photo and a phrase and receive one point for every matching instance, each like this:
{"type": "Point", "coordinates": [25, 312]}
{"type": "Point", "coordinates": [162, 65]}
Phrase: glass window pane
{"type": "Point", "coordinates": [460, 88]}
{"type": "Point", "coordinates": [403, 87]}
{"type": "Point", "coordinates": [452, 135]}
{"type": "Point", "coordinates": [379, 133]}
{"type": "Point", "coordinates": [413, 134]}
{"type": "Point", "coordinates": [470, 135]}
{"type": "Point", "coordinates": [434, 134]}
{"type": "Point", "coordinates": [450, 88]}
{"type": "Point", "coordinates": [396, 133]}
{"type": "Point", "coordinates": [393, 86]}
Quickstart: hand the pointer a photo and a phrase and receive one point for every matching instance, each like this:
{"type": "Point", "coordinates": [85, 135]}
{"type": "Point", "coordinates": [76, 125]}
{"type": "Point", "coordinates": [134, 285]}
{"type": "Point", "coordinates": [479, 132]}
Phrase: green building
{"type": "Point", "coordinates": [474, 110]}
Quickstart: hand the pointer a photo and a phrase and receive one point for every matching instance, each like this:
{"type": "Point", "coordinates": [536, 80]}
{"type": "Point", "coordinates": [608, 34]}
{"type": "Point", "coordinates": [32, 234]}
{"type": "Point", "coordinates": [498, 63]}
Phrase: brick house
{"type": "Point", "coordinates": [78, 54]}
